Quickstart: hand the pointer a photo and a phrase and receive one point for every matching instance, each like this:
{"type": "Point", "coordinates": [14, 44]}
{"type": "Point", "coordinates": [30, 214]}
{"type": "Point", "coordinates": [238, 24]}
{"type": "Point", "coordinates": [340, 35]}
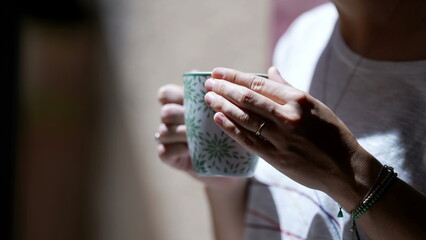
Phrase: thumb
{"type": "Point", "coordinates": [275, 75]}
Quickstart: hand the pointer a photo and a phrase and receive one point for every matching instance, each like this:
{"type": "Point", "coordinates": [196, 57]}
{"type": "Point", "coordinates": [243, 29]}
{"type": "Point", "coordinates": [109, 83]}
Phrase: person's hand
{"type": "Point", "coordinates": [172, 147]}
{"type": "Point", "coordinates": [171, 137]}
{"type": "Point", "coordinates": [302, 138]}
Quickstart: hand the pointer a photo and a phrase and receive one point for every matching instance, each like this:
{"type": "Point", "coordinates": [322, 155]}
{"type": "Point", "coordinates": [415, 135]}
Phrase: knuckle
{"type": "Point", "coordinates": [294, 117]}
{"type": "Point", "coordinates": [162, 94]}
{"type": "Point", "coordinates": [293, 112]}
{"type": "Point", "coordinates": [232, 129]}
{"type": "Point", "coordinates": [166, 112]}
{"type": "Point", "coordinates": [274, 110]}
{"type": "Point", "coordinates": [169, 112]}
{"type": "Point", "coordinates": [219, 87]}
{"type": "Point", "coordinates": [300, 96]}
{"type": "Point", "coordinates": [172, 154]}
{"type": "Point", "coordinates": [271, 110]}
{"type": "Point", "coordinates": [169, 93]}
{"type": "Point", "coordinates": [248, 142]}
{"type": "Point", "coordinates": [177, 161]}
{"type": "Point", "coordinates": [257, 83]}
{"type": "Point", "coordinates": [244, 118]}
{"type": "Point", "coordinates": [247, 96]}
{"type": "Point", "coordinates": [232, 77]}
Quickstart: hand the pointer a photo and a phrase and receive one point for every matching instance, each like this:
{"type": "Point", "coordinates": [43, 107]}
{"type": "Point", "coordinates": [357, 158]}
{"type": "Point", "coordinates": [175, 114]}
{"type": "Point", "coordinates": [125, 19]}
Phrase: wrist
{"type": "Point", "coordinates": [227, 204]}
{"type": "Point", "coordinates": [385, 178]}
{"type": "Point", "coordinates": [358, 181]}
{"type": "Point", "coordinates": [219, 184]}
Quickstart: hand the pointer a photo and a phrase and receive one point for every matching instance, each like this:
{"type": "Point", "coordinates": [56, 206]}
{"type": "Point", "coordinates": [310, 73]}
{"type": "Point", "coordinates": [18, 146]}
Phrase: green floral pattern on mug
{"type": "Point", "coordinates": [213, 152]}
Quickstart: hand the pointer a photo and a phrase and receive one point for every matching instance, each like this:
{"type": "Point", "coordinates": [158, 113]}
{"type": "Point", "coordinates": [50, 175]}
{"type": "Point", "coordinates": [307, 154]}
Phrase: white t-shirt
{"type": "Point", "coordinates": [384, 105]}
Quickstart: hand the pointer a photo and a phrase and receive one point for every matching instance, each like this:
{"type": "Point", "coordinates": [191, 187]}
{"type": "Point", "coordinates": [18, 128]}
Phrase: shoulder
{"type": "Point", "coordinates": [299, 48]}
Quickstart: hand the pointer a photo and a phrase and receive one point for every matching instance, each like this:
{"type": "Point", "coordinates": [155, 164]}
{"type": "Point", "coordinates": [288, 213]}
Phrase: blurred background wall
{"type": "Point", "coordinates": [152, 43]}
{"type": "Point", "coordinates": [87, 166]}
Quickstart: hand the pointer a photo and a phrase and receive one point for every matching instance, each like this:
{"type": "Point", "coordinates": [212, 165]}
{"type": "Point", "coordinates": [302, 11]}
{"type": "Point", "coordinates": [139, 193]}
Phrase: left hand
{"type": "Point", "coordinates": [303, 138]}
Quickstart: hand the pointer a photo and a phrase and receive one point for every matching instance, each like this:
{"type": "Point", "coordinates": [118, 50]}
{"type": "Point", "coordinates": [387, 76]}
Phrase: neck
{"type": "Point", "coordinates": [393, 30]}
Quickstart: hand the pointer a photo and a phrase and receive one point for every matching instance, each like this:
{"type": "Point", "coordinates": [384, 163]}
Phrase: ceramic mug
{"type": "Point", "coordinates": [212, 151]}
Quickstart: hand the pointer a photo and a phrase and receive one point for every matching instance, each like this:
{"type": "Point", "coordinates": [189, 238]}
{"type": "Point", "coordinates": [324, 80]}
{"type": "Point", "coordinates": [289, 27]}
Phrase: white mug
{"type": "Point", "coordinates": [212, 151]}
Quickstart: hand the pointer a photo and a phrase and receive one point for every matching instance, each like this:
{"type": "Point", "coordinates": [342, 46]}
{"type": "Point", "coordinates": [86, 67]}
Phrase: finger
{"type": "Point", "coordinates": [170, 93]}
{"type": "Point", "coordinates": [277, 91]}
{"type": "Point", "coordinates": [244, 137]}
{"type": "Point", "coordinates": [242, 117]}
{"type": "Point", "coordinates": [275, 75]}
{"type": "Point", "coordinates": [175, 155]}
{"type": "Point", "coordinates": [244, 98]}
{"type": "Point", "coordinates": [168, 134]}
{"type": "Point", "coordinates": [172, 113]}
{"type": "Point", "coordinates": [273, 129]}
{"type": "Point", "coordinates": [292, 112]}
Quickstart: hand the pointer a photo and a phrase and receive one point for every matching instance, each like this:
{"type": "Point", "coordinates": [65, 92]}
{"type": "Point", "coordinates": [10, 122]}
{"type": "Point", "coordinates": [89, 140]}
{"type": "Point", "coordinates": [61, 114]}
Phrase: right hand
{"type": "Point", "coordinates": [172, 144]}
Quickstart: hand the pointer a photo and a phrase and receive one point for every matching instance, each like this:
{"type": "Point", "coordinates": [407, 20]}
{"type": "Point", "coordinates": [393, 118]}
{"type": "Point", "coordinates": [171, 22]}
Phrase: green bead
{"type": "Point", "coordinates": [340, 214]}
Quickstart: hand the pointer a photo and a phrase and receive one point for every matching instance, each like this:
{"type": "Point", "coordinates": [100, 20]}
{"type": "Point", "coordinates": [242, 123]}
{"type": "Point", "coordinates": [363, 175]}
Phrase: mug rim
{"type": "Point", "coordinates": [197, 74]}
{"type": "Point", "coordinates": [210, 73]}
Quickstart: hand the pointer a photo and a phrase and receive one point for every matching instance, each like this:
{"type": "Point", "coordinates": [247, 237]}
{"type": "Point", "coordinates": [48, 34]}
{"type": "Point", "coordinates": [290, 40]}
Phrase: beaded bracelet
{"type": "Point", "coordinates": [376, 192]}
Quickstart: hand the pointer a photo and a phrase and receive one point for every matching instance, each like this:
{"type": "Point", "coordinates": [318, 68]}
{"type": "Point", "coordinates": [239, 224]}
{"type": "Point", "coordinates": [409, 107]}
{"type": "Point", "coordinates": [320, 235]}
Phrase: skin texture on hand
{"type": "Point", "coordinates": [172, 144]}
{"type": "Point", "coordinates": [304, 139]}
{"type": "Point", "coordinates": [307, 142]}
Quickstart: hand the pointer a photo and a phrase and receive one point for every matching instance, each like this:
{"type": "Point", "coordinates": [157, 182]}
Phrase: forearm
{"type": "Point", "coordinates": [227, 206]}
{"type": "Point", "coordinates": [398, 215]}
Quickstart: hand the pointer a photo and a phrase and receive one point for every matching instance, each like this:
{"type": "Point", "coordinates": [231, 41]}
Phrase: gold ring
{"type": "Point", "coordinates": [259, 130]}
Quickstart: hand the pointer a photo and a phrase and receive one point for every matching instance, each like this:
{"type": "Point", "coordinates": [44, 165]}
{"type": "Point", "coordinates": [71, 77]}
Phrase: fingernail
{"type": "Point", "coordinates": [218, 73]}
{"type": "Point", "coordinates": [209, 98]}
{"type": "Point", "coordinates": [218, 118]}
{"type": "Point", "coordinates": [209, 84]}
